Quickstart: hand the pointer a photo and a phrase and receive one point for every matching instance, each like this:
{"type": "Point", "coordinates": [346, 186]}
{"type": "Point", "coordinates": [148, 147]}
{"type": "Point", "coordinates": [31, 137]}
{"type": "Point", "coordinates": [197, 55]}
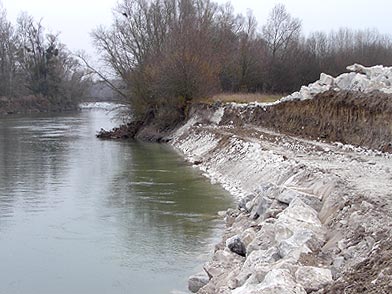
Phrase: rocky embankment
{"type": "Point", "coordinates": [312, 216]}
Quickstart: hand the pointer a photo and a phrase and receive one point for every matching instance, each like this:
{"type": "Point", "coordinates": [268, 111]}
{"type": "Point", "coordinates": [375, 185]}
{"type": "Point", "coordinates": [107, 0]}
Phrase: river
{"type": "Point", "coordinates": [80, 215]}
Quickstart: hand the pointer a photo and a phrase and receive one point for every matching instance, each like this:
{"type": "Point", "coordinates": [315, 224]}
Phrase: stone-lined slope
{"type": "Point", "coordinates": [308, 212]}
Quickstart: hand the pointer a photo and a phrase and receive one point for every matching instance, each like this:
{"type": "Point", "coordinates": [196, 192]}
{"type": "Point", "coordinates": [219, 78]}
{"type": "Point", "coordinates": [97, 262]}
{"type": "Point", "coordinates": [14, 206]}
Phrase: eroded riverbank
{"type": "Point", "coordinates": [310, 212]}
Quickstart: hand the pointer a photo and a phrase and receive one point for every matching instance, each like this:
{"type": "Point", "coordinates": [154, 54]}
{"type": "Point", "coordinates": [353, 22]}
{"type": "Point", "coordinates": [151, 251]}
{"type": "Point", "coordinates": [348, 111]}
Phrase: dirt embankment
{"type": "Point", "coordinates": [32, 104]}
{"type": "Point", "coordinates": [348, 117]}
{"type": "Point", "coordinates": [155, 126]}
{"type": "Point", "coordinates": [356, 118]}
{"type": "Point", "coordinates": [313, 217]}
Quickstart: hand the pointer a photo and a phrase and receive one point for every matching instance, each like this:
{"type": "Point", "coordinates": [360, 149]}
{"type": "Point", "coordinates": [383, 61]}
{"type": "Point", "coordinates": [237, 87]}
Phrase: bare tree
{"type": "Point", "coordinates": [281, 33]}
{"type": "Point", "coordinates": [8, 56]}
{"type": "Point", "coordinates": [166, 51]}
{"type": "Point", "coordinates": [281, 29]}
{"type": "Point", "coordinates": [46, 65]}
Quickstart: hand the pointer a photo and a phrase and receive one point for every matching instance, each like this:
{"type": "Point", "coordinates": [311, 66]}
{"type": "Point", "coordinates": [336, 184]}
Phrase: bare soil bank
{"type": "Point", "coordinates": [348, 117]}
{"type": "Point", "coordinates": [32, 104]}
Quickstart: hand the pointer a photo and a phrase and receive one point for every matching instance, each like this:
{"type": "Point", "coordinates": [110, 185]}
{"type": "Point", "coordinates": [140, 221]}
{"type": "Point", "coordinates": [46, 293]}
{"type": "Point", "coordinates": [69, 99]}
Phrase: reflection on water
{"type": "Point", "coordinates": [79, 215]}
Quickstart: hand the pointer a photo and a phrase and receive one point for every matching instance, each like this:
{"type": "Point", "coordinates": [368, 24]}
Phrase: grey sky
{"type": "Point", "coordinates": [76, 18]}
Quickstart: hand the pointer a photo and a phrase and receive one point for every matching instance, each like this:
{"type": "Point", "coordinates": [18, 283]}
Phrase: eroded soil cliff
{"type": "Point", "coordinates": [363, 119]}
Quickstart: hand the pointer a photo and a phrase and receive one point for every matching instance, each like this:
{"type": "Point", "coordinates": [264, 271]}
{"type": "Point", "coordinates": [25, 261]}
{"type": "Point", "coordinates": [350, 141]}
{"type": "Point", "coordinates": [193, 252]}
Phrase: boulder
{"type": "Point", "coordinates": [236, 245]}
{"type": "Point", "coordinates": [317, 87]}
{"type": "Point", "coordinates": [222, 262]}
{"type": "Point", "coordinates": [259, 271]}
{"type": "Point", "coordinates": [298, 211]}
{"type": "Point", "coordinates": [275, 209]}
{"type": "Point", "coordinates": [264, 239]}
{"type": "Point", "coordinates": [360, 83]}
{"type": "Point", "coordinates": [370, 72]}
{"type": "Point", "coordinates": [262, 206]}
{"type": "Point", "coordinates": [261, 257]}
{"type": "Point", "coordinates": [248, 236]}
{"type": "Point", "coordinates": [386, 90]}
{"type": "Point", "coordinates": [288, 195]}
{"type": "Point", "coordinates": [326, 80]}
{"type": "Point", "coordinates": [296, 244]}
{"type": "Point", "coordinates": [313, 278]}
{"type": "Point", "coordinates": [294, 96]}
{"type": "Point", "coordinates": [344, 81]}
{"type": "Point", "coordinates": [244, 203]}
{"type": "Point", "coordinates": [305, 93]}
{"type": "Point", "coordinates": [277, 281]}
{"type": "Point", "coordinates": [198, 281]}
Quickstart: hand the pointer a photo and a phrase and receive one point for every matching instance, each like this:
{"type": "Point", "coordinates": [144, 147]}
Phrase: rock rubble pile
{"type": "Point", "coordinates": [360, 78]}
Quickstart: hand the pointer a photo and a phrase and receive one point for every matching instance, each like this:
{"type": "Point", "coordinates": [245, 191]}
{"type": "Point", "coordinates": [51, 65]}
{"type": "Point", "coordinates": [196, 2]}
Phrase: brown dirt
{"type": "Point", "coordinates": [373, 275]}
{"type": "Point", "coordinates": [347, 117]}
{"type": "Point", "coordinates": [156, 126]}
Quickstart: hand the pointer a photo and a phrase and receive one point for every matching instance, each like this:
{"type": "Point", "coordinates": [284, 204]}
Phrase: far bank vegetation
{"type": "Point", "coordinates": [171, 52]}
{"type": "Point", "coordinates": [35, 67]}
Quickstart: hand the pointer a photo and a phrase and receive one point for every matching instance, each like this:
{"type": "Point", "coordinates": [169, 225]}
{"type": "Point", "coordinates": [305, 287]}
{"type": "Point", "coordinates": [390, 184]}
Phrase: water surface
{"type": "Point", "coordinates": [80, 215]}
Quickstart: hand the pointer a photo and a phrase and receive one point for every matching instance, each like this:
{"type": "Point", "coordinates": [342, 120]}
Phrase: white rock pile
{"type": "Point", "coordinates": [360, 78]}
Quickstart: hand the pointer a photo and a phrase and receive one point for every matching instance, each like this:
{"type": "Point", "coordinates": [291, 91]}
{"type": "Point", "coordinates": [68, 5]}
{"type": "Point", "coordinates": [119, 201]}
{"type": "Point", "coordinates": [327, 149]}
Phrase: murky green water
{"type": "Point", "coordinates": [79, 215]}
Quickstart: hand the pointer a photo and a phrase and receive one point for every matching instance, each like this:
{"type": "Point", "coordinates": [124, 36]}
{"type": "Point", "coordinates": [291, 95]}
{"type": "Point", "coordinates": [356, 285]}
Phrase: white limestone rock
{"type": "Point", "coordinates": [261, 257]}
{"type": "Point", "coordinates": [294, 96]}
{"type": "Point", "coordinates": [370, 72]}
{"type": "Point", "coordinates": [264, 239]}
{"type": "Point", "coordinates": [359, 83]}
{"type": "Point", "coordinates": [288, 195]}
{"type": "Point", "coordinates": [317, 87]}
{"type": "Point", "coordinates": [246, 202]}
{"type": "Point", "coordinates": [296, 244]}
{"type": "Point", "coordinates": [305, 93]}
{"type": "Point", "coordinates": [298, 230]}
{"type": "Point", "coordinates": [298, 211]}
{"type": "Point", "coordinates": [261, 207]}
{"type": "Point", "coordinates": [248, 236]}
{"type": "Point", "coordinates": [196, 282]}
{"type": "Point", "coordinates": [277, 281]}
{"type": "Point", "coordinates": [360, 78]}
{"type": "Point", "coordinates": [386, 90]}
{"type": "Point", "coordinates": [345, 80]}
{"type": "Point", "coordinates": [326, 80]}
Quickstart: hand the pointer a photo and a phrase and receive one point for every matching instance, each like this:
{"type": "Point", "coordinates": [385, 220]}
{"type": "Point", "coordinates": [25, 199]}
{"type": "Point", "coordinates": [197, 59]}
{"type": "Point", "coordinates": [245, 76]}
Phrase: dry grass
{"type": "Point", "coordinates": [245, 97]}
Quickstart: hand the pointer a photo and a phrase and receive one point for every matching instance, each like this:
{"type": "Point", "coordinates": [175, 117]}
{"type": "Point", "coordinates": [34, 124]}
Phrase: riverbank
{"type": "Point", "coordinates": [309, 212]}
{"type": "Point", "coordinates": [32, 104]}
{"type": "Point", "coordinates": [312, 174]}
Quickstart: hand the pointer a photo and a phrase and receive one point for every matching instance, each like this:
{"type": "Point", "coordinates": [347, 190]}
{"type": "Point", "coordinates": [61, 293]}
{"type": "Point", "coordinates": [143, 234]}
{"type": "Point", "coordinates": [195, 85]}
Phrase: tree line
{"type": "Point", "coordinates": [36, 63]}
{"type": "Point", "coordinates": [169, 52]}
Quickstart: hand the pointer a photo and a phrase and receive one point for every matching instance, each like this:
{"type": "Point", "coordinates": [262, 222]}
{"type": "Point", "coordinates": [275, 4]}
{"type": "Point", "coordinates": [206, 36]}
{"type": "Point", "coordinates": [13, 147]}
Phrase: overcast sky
{"type": "Point", "coordinates": [75, 19]}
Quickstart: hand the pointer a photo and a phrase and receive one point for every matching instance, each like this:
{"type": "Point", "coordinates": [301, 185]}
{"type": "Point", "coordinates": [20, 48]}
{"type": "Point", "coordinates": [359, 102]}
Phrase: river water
{"type": "Point", "coordinates": [79, 215]}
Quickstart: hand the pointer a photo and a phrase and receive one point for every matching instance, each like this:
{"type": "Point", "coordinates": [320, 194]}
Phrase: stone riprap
{"type": "Point", "coordinates": [308, 212]}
